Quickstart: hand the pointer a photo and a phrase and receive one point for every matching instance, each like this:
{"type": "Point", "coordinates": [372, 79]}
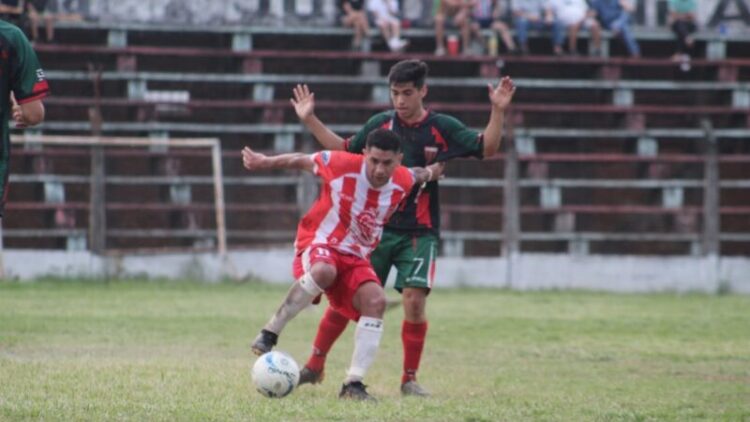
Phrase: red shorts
{"type": "Point", "coordinates": [351, 272]}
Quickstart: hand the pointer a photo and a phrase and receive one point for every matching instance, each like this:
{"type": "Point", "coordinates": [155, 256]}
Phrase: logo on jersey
{"type": "Point", "coordinates": [365, 229]}
{"type": "Point", "coordinates": [39, 75]}
{"type": "Point", "coordinates": [325, 157]}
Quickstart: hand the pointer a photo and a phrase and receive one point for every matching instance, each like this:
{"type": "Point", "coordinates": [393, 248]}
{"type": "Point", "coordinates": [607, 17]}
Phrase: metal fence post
{"type": "Point", "coordinates": [711, 218]}
{"type": "Point", "coordinates": [511, 207]}
{"type": "Point", "coordinates": [97, 194]}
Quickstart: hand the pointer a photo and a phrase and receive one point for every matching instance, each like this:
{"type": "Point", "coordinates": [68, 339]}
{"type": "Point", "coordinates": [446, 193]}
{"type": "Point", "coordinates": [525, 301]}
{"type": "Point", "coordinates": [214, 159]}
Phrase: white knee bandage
{"type": "Point", "coordinates": [309, 285]}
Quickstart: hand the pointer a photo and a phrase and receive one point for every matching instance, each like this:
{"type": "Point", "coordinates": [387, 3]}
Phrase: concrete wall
{"type": "Point", "coordinates": [522, 272]}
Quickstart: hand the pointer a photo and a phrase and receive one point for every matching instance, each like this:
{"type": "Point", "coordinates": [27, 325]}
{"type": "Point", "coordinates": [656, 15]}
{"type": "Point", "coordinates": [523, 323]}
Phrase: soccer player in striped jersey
{"type": "Point", "coordinates": [359, 193]}
{"type": "Point", "coordinates": [410, 239]}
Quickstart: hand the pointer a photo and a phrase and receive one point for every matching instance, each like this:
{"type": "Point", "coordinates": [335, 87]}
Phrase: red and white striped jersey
{"type": "Point", "coordinates": [349, 213]}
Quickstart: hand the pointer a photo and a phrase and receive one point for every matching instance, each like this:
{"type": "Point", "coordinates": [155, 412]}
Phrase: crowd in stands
{"type": "Point", "coordinates": [562, 19]}
{"type": "Point", "coordinates": [30, 15]}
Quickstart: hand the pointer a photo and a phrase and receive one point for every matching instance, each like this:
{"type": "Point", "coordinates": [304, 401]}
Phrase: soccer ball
{"type": "Point", "coordinates": [275, 374]}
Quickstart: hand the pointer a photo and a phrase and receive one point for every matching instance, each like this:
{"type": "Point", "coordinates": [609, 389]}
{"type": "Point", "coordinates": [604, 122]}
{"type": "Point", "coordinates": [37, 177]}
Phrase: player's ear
{"type": "Point", "coordinates": [423, 91]}
{"type": "Point", "coordinates": [399, 158]}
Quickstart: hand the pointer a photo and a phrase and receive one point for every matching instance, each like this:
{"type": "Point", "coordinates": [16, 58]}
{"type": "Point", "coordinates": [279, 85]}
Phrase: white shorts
{"type": "Point", "coordinates": [381, 12]}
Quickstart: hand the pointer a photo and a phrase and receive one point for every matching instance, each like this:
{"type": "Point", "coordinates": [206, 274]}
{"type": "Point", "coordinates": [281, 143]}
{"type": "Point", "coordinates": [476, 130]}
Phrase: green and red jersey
{"type": "Point", "coordinates": [20, 73]}
{"type": "Point", "coordinates": [437, 137]}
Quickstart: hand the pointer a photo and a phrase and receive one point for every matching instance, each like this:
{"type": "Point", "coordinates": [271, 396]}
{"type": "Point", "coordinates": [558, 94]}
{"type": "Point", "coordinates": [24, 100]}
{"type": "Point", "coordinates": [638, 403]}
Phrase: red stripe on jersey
{"type": "Point", "coordinates": [373, 198]}
{"type": "Point", "coordinates": [396, 199]}
{"type": "Point", "coordinates": [40, 86]}
{"type": "Point", "coordinates": [311, 221]}
{"type": "Point", "coordinates": [345, 210]}
{"type": "Point", "coordinates": [35, 96]}
{"type": "Point", "coordinates": [439, 139]}
{"type": "Point", "coordinates": [423, 209]}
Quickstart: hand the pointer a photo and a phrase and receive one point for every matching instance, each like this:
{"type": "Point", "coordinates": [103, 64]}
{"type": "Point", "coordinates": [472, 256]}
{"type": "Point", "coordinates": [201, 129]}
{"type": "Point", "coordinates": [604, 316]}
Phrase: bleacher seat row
{"type": "Point", "coordinates": [610, 154]}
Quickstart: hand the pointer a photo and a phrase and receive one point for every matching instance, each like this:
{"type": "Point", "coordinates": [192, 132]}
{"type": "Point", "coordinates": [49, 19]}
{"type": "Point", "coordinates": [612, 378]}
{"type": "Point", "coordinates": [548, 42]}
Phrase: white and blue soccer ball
{"type": "Point", "coordinates": [275, 374]}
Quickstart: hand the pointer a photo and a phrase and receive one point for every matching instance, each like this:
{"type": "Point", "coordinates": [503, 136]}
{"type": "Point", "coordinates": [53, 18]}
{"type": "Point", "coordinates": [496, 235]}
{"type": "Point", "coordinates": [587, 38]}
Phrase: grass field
{"type": "Point", "coordinates": [179, 351]}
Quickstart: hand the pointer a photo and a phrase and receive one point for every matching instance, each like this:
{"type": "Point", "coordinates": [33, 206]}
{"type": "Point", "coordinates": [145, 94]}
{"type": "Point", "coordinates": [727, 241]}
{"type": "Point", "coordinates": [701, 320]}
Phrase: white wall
{"type": "Point", "coordinates": [523, 272]}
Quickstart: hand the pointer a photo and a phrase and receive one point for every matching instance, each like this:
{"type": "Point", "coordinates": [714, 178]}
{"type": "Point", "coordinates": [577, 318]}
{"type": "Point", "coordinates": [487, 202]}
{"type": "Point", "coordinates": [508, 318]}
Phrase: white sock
{"type": "Point", "coordinates": [300, 295]}
{"type": "Point", "coordinates": [366, 342]}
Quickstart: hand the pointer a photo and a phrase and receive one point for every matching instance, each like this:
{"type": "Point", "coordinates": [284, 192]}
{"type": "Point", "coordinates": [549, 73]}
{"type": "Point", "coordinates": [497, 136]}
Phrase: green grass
{"type": "Point", "coordinates": [179, 351]}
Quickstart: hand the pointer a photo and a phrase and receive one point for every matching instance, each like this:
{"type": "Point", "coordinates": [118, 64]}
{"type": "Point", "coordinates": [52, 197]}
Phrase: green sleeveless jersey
{"type": "Point", "coordinates": [21, 74]}
{"type": "Point", "coordinates": [437, 137]}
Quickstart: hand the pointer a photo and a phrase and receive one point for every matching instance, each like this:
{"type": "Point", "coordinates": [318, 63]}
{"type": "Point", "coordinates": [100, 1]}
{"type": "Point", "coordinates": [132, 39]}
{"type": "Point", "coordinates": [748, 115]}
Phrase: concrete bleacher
{"type": "Point", "coordinates": [609, 153]}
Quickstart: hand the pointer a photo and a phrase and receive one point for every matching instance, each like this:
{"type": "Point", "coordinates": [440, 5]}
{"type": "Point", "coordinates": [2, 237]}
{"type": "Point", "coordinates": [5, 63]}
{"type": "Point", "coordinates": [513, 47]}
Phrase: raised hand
{"type": "Point", "coordinates": [502, 94]}
{"type": "Point", "coordinates": [252, 160]}
{"type": "Point", "coordinates": [303, 101]}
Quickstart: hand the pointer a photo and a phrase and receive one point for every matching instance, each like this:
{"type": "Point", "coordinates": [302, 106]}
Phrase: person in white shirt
{"type": "Point", "coordinates": [385, 13]}
{"type": "Point", "coordinates": [570, 16]}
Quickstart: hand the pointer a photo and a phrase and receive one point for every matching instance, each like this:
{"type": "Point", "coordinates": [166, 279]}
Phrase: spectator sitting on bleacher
{"type": "Point", "coordinates": [570, 17]}
{"type": "Point", "coordinates": [353, 15]}
{"type": "Point", "coordinates": [12, 11]}
{"type": "Point", "coordinates": [682, 19]}
{"type": "Point", "coordinates": [385, 13]}
{"type": "Point", "coordinates": [530, 14]}
{"type": "Point", "coordinates": [489, 14]}
{"type": "Point", "coordinates": [614, 15]}
{"type": "Point", "coordinates": [460, 11]}
{"type": "Point", "coordinates": [38, 9]}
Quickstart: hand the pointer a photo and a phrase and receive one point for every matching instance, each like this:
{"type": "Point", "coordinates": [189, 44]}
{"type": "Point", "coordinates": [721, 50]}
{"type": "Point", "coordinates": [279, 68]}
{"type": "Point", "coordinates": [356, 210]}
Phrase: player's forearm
{"type": "Point", "coordinates": [290, 161]}
{"type": "Point", "coordinates": [436, 170]}
{"type": "Point", "coordinates": [493, 133]}
{"type": "Point", "coordinates": [428, 174]}
{"type": "Point", "coordinates": [325, 136]}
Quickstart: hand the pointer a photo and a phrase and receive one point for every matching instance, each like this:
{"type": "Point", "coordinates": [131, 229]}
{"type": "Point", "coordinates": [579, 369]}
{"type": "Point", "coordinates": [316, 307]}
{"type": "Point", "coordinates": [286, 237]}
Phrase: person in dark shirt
{"type": "Point", "coordinates": [22, 88]}
{"type": "Point", "coordinates": [353, 15]}
{"type": "Point", "coordinates": [682, 19]}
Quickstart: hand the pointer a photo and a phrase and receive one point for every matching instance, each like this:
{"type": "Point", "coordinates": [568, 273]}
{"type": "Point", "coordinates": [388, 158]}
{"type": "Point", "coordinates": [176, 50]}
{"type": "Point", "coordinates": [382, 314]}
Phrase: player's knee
{"type": "Point", "coordinates": [415, 301]}
{"type": "Point", "coordinates": [371, 300]}
{"type": "Point", "coordinates": [323, 274]}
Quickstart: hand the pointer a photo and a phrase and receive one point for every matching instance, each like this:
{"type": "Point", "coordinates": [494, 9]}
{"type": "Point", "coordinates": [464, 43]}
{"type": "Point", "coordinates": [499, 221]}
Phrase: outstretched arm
{"type": "Point", "coordinates": [293, 161]}
{"type": "Point", "coordinates": [304, 105]}
{"type": "Point", "coordinates": [500, 97]}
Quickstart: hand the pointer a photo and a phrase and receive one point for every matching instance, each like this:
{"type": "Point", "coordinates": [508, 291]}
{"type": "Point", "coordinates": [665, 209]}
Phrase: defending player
{"type": "Point", "coordinates": [336, 237]}
{"type": "Point", "coordinates": [410, 239]}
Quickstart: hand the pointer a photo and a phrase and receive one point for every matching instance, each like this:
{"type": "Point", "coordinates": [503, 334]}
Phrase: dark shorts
{"type": "Point", "coordinates": [413, 256]}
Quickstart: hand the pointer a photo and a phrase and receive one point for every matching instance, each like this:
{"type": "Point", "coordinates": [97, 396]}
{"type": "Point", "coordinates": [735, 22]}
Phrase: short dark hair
{"type": "Point", "coordinates": [384, 139]}
{"type": "Point", "coordinates": [408, 71]}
